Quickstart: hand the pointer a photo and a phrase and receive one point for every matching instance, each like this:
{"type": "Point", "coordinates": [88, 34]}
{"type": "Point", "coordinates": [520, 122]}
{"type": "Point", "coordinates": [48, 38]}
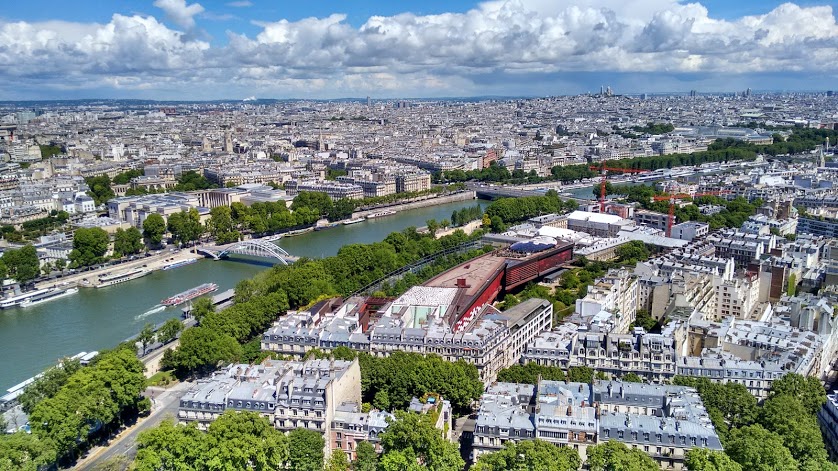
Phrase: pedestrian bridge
{"type": "Point", "coordinates": [253, 248]}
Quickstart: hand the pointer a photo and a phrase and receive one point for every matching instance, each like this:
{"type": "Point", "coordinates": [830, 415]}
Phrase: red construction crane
{"type": "Point", "coordinates": [678, 196]}
{"type": "Point", "coordinates": [604, 169]}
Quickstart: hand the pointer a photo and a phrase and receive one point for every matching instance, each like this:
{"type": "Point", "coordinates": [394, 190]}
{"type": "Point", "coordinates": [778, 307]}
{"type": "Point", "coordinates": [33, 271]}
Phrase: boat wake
{"type": "Point", "coordinates": [151, 311]}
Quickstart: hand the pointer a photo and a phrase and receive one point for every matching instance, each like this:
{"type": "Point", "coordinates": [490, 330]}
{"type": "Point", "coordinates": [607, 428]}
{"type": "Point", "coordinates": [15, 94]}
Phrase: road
{"type": "Point", "coordinates": [165, 405]}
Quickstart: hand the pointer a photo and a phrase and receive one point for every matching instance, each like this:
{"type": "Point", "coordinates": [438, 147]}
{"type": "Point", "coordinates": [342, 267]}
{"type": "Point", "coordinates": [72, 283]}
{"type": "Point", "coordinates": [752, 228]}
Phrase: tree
{"type": "Point", "coordinates": [432, 226]}
{"type": "Point", "coordinates": [337, 461]}
{"type": "Point", "coordinates": [89, 246]}
{"type": "Point", "coordinates": [169, 330]}
{"type": "Point", "coordinates": [530, 455]}
{"type": "Point", "coordinates": [415, 435]}
{"type": "Point", "coordinates": [631, 378]}
{"type": "Point", "coordinates": [22, 264]}
{"type": "Point", "coordinates": [236, 440]}
{"type": "Point", "coordinates": [170, 446]}
{"type": "Point", "coordinates": [366, 458]}
{"type": "Point", "coordinates": [154, 227]}
{"type": "Point", "coordinates": [702, 459]}
{"type": "Point", "coordinates": [245, 440]}
{"type": "Point", "coordinates": [146, 336]}
{"type": "Point", "coordinates": [757, 449]}
{"type": "Point", "coordinates": [785, 415]}
{"type": "Point", "coordinates": [48, 384]}
{"type": "Point", "coordinates": [317, 201]}
{"type": "Point", "coordinates": [615, 456]}
{"type": "Point", "coordinates": [221, 225]}
{"type": "Point", "coordinates": [185, 226]}
{"type": "Point", "coordinates": [127, 242]}
{"type": "Point", "coordinates": [203, 306]}
{"type": "Point", "coordinates": [305, 450]}
{"type": "Point", "coordinates": [381, 401]}
{"type": "Point", "coordinates": [632, 252]}
{"type": "Point", "coordinates": [580, 374]}
{"type": "Point", "coordinates": [100, 395]}
{"type": "Point", "coordinates": [100, 188]}
{"type": "Point", "coordinates": [807, 389]}
{"type": "Point", "coordinates": [201, 350]}
{"type": "Point", "coordinates": [25, 452]}
{"type": "Point", "coordinates": [191, 181]}
{"type": "Point", "coordinates": [791, 289]}
{"type": "Point", "coordinates": [342, 209]}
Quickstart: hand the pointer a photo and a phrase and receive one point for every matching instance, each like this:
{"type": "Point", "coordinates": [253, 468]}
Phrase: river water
{"type": "Point", "coordinates": [33, 338]}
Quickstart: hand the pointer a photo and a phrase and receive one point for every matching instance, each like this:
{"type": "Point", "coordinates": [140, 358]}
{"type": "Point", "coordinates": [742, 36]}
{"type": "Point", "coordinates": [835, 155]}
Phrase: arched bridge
{"type": "Point", "coordinates": [253, 248]}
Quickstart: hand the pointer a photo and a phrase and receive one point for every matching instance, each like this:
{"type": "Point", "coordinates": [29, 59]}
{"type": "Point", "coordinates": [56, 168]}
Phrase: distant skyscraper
{"type": "Point", "coordinates": [369, 102]}
{"type": "Point", "coordinates": [643, 96]}
{"type": "Point", "coordinates": [693, 93]}
{"type": "Point", "coordinates": [748, 92]}
{"type": "Point", "coordinates": [830, 93]}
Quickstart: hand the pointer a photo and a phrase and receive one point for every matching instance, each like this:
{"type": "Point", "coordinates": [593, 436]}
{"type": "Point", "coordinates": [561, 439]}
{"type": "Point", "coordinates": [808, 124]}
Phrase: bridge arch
{"type": "Point", "coordinates": [257, 248]}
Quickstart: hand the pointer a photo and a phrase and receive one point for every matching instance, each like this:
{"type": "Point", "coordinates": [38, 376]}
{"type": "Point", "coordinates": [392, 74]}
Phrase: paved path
{"type": "Point", "coordinates": [165, 405]}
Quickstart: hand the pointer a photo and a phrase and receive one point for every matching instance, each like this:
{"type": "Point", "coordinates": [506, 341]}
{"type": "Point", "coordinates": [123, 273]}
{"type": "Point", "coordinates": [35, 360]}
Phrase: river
{"type": "Point", "coordinates": [33, 338]}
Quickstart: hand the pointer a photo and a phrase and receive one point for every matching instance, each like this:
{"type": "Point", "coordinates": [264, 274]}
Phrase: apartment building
{"type": "Point", "coordinates": [822, 226]}
{"type": "Point", "coordinates": [335, 190]}
{"type": "Point", "coordinates": [690, 230]}
{"type": "Point", "coordinates": [600, 225]}
{"type": "Point", "coordinates": [291, 394]}
{"type": "Point", "coordinates": [751, 353]}
{"type": "Point", "coordinates": [828, 420]}
{"type": "Point", "coordinates": [409, 182]}
{"type": "Point", "coordinates": [417, 322]}
{"type": "Point", "coordinates": [662, 421]}
{"type": "Point", "coordinates": [651, 218]}
{"type": "Point", "coordinates": [743, 248]}
{"type": "Point", "coordinates": [650, 356]}
{"type": "Point", "coordinates": [737, 297]}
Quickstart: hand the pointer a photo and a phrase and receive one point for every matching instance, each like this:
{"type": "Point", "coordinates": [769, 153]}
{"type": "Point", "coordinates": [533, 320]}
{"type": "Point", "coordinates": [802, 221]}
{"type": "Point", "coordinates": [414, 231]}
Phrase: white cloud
{"type": "Point", "coordinates": [179, 12]}
{"type": "Point", "coordinates": [499, 44]}
{"type": "Point", "coordinates": [240, 4]}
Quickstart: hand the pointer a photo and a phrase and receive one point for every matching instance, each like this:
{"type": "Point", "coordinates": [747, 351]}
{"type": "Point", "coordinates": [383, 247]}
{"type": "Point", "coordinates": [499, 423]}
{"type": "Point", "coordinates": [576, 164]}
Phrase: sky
{"type": "Point", "coordinates": [234, 49]}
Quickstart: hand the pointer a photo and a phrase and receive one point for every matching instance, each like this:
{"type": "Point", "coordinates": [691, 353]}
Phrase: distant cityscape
{"type": "Point", "coordinates": [638, 251]}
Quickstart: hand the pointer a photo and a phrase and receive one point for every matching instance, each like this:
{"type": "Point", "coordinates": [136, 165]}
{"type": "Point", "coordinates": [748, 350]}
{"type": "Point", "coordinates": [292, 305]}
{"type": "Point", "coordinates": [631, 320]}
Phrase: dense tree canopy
{"type": "Point", "coordinates": [236, 440]}
{"type": "Point", "coordinates": [192, 180]}
{"type": "Point", "coordinates": [100, 189]}
{"type": "Point", "coordinates": [185, 226]}
{"type": "Point", "coordinates": [201, 351]}
{"type": "Point", "coordinates": [702, 459]}
{"type": "Point", "coordinates": [413, 436]}
{"type": "Point", "coordinates": [127, 242]}
{"type": "Point", "coordinates": [101, 395]}
{"type": "Point", "coordinates": [25, 452]}
{"type": "Point", "coordinates": [405, 375]}
{"type": "Point", "coordinates": [513, 210]}
{"type": "Point", "coordinates": [221, 226]}
{"type": "Point", "coordinates": [22, 264]}
{"type": "Point", "coordinates": [531, 455]}
{"type": "Point", "coordinates": [305, 450]}
{"type": "Point", "coordinates": [785, 423]}
{"type": "Point", "coordinates": [89, 246]}
{"type": "Point", "coordinates": [757, 449]}
{"type": "Point", "coordinates": [48, 384]}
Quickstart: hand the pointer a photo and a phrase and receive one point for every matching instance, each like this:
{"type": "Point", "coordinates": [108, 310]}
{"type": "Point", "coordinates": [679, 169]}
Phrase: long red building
{"type": "Point", "coordinates": [482, 279]}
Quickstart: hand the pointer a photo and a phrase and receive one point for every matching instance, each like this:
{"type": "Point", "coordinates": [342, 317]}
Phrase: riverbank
{"type": "Point", "coordinates": [90, 278]}
{"type": "Point", "coordinates": [424, 202]}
